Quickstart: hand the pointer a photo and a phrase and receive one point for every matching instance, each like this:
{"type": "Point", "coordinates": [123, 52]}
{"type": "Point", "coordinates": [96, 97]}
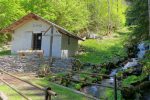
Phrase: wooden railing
{"type": "Point", "coordinates": [48, 92]}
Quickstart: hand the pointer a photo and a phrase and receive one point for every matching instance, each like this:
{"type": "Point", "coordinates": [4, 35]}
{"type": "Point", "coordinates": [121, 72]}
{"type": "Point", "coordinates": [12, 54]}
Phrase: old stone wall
{"type": "Point", "coordinates": [31, 63]}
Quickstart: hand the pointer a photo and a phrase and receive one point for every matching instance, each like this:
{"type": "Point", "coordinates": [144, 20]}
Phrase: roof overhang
{"type": "Point", "coordinates": [31, 16]}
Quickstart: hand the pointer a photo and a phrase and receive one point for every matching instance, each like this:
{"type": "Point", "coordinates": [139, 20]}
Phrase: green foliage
{"type": "Point", "coordinates": [99, 15]}
{"type": "Point", "coordinates": [78, 86]}
{"type": "Point", "coordinates": [3, 38]}
{"type": "Point", "coordinates": [109, 94]}
{"type": "Point", "coordinates": [120, 74]}
{"type": "Point", "coordinates": [61, 74]}
{"type": "Point", "coordinates": [132, 79]}
{"type": "Point", "coordinates": [74, 15]}
{"type": "Point", "coordinates": [70, 14]}
{"type": "Point", "coordinates": [10, 11]}
{"type": "Point", "coordinates": [103, 71]}
{"type": "Point", "coordinates": [5, 52]}
{"type": "Point", "coordinates": [146, 63]}
{"type": "Point", "coordinates": [137, 16]}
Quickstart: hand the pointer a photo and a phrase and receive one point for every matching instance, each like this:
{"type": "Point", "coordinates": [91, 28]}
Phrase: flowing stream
{"type": "Point", "coordinates": [99, 91]}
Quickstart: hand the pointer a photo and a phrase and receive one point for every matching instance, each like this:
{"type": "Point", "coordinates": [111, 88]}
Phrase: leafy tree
{"type": "Point", "coordinates": [10, 11]}
{"type": "Point", "coordinates": [106, 14]}
{"type": "Point", "coordinates": [137, 17]}
{"type": "Point", "coordinates": [74, 15]}
{"type": "Point", "coordinates": [71, 14]}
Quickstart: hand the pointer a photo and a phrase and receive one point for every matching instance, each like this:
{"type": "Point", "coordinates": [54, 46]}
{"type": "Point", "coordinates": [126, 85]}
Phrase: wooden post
{"type": "Point", "coordinates": [47, 95]}
{"type": "Point", "coordinates": [115, 88]}
{"type": "Point", "coordinates": [51, 45]}
{"type": "Point", "coordinates": [149, 14]}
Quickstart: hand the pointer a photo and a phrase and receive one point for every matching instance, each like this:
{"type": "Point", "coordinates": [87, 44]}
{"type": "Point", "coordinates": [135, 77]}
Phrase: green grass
{"type": "Point", "coordinates": [5, 52]}
{"type": "Point", "coordinates": [63, 93]}
{"type": "Point", "coordinates": [100, 51]}
{"type": "Point", "coordinates": [132, 79]}
{"type": "Point", "coordinates": [110, 94]}
{"type": "Point", "coordinates": [12, 95]}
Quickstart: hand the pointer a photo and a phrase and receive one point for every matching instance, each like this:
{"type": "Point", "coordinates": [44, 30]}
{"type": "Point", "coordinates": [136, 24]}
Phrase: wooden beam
{"type": "Point", "coordinates": [51, 46]}
{"type": "Point", "coordinates": [47, 30]}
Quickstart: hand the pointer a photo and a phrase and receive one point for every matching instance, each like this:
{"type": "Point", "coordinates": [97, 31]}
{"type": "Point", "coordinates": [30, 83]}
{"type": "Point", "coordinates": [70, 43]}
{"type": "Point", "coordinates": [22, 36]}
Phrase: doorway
{"type": "Point", "coordinates": [37, 40]}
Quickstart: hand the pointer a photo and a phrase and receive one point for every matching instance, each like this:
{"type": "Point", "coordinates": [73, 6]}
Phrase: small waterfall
{"type": "Point", "coordinates": [132, 63]}
{"type": "Point", "coordinates": [142, 50]}
{"type": "Point", "coordinates": [140, 55]}
{"type": "Point", "coordinates": [99, 91]}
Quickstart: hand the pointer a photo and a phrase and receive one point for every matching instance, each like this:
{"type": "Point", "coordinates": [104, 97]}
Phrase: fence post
{"type": "Point", "coordinates": [47, 95]}
{"type": "Point", "coordinates": [115, 88]}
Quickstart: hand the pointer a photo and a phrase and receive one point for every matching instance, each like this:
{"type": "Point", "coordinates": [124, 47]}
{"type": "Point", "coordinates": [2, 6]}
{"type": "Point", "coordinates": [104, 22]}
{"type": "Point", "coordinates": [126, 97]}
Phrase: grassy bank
{"type": "Point", "coordinates": [12, 95]}
{"type": "Point", "coordinates": [104, 50]}
{"type": "Point", "coordinates": [63, 93]}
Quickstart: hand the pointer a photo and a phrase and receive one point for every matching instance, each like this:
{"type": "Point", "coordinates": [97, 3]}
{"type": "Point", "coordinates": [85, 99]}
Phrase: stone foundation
{"type": "Point", "coordinates": [31, 63]}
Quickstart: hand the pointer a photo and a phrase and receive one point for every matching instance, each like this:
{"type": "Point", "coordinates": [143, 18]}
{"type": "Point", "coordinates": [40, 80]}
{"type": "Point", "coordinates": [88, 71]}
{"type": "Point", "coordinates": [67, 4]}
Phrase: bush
{"type": "Point", "coordinates": [44, 70]}
{"type": "Point", "coordinates": [146, 63]}
{"type": "Point", "coordinates": [5, 38]}
{"type": "Point", "coordinates": [103, 71]}
{"type": "Point", "coordinates": [78, 86]}
{"type": "Point", "coordinates": [132, 79]}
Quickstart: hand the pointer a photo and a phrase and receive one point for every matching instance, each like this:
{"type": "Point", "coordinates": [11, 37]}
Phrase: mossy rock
{"type": "Point", "coordinates": [144, 86]}
{"type": "Point", "coordinates": [128, 93]}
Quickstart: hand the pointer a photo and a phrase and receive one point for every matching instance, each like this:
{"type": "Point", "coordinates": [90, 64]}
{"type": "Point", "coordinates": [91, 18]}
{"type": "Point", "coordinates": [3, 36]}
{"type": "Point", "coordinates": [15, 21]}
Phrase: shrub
{"type": "Point", "coordinates": [78, 86]}
{"type": "Point", "coordinates": [44, 70]}
{"type": "Point", "coordinates": [146, 63]}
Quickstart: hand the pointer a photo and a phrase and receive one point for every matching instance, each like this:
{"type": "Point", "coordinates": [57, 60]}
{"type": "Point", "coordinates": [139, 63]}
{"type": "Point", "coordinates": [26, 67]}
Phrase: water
{"type": "Point", "coordinates": [132, 63]}
{"type": "Point", "coordinates": [98, 91]}
{"type": "Point", "coordinates": [142, 50]}
{"type": "Point", "coordinates": [140, 55]}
